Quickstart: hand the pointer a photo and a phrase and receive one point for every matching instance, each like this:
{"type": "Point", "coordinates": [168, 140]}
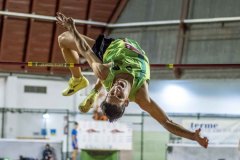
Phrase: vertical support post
{"type": "Point", "coordinates": [181, 36]}
{"type": "Point", "coordinates": [3, 121]}
{"type": "Point", "coordinates": [2, 19]}
{"type": "Point", "coordinates": [142, 134]}
{"type": "Point", "coordinates": [67, 145]}
{"type": "Point", "coordinates": [28, 32]}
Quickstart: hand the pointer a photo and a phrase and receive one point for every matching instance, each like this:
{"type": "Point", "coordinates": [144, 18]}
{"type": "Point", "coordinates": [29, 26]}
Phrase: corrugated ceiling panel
{"type": "Point", "coordinates": [24, 39]}
{"type": "Point", "coordinates": [39, 44]}
{"type": "Point", "coordinates": [13, 34]}
{"type": "Point", "coordinates": [45, 7]}
{"type": "Point", "coordinates": [101, 10]}
{"type": "Point", "coordinates": [74, 8]}
{"type": "Point", "coordinates": [1, 4]}
{"type": "Point", "coordinates": [14, 39]}
{"type": "Point", "coordinates": [95, 31]}
{"type": "Point", "coordinates": [18, 5]}
{"type": "Point", "coordinates": [40, 34]}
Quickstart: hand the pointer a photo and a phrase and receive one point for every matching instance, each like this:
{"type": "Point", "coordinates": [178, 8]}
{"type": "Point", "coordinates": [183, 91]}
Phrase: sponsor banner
{"type": "Point", "coordinates": [217, 131]}
{"type": "Point", "coordinates": [101, 135]}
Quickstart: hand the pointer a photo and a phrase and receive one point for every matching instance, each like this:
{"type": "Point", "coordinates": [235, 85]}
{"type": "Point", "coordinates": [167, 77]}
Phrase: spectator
{"type": "Point", "coordinates": [75, 141]}
{"type": "Point", "coordinates": [48, 153]}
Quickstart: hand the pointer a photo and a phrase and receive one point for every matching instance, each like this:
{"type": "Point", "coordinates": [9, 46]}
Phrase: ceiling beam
{"type": "Point", "coordinates": [181, 38]}
{"type": "Point", "coordinates": [54, 36]}
{"type": "Point", "coordinates": [1, 25]}
{"type": "Point", "coordinates": [28, 33]}
{"type": "Point", "coordinates": [88, 17]}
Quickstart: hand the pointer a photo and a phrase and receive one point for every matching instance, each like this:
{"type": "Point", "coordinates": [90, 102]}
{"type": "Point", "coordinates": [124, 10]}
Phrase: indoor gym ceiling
{"type": "Point", "coordinates": [28, 39]}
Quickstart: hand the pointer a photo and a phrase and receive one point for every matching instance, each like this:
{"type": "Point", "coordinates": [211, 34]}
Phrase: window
{"type": "Point", "coordinates": [35, 89]}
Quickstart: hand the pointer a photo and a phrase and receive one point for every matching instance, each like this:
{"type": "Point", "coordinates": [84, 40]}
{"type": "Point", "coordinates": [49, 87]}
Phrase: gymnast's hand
{"type": "Point", "coordinates": [65, 22]}
{"type": "Point", "coordinates": [203, 141]}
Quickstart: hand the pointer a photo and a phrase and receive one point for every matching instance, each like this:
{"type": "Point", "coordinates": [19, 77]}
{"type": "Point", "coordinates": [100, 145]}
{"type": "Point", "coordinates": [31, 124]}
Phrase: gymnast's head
{"type": "Point", "coordinates": [116, 101]}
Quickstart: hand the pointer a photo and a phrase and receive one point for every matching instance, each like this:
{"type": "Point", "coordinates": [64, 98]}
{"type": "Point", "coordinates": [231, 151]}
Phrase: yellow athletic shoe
{"type": "Point", "coordinates": [88, 102]}
{"type": "Point", "coordinates": [75, 85]}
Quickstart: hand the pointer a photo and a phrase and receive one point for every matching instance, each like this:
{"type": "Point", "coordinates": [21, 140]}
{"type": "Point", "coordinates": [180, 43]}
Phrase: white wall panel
{"type": "Point", "coordinates": [197, 96]}
{"type": "Point", "coordinates": [2, 92]}
{"type": "Point", "coordinates": [52, 99]}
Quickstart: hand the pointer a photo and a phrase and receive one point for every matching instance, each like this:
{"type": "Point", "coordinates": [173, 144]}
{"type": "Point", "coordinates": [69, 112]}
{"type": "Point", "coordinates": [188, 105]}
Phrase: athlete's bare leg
{"type": "Point", "coordinates": [71, 52]}
{"type": "Point", "coordinates": [74, 154]}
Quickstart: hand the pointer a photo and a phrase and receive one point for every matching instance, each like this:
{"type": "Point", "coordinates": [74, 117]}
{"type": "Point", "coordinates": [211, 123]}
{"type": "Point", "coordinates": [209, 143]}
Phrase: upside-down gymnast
{"type": "Point", "coordinates": [122, 68]}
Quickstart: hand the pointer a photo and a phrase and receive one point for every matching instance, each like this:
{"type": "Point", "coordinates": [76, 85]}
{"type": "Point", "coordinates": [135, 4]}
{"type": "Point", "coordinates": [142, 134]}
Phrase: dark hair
{"type": "Point", "coordinates": [75, 123]}
{"type": "Point", "coordinates": [113, 112]}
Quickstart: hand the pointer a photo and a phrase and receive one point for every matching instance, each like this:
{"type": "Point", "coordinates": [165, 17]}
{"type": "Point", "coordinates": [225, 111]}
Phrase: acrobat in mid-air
{"type": "Point", "coordinates": [122, 68]}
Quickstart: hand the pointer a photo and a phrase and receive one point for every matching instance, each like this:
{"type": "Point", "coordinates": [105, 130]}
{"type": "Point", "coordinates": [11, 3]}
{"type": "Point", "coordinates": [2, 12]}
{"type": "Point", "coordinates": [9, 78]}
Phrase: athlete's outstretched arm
{"type": "Point", "coordinates": [147, 104]}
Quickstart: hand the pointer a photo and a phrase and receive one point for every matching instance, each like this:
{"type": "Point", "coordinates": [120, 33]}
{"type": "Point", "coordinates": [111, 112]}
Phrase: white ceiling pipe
{"type": "Point", "coordinates": [144, 24]}
{"type": "Point", "coordinates": [26, 15]}
{"type": "Point", "coordinates": [48, 18]}
{"type": "Point", "coordinates": [212, 20]}
{"type": "Point", "coordinates": [125, 25]}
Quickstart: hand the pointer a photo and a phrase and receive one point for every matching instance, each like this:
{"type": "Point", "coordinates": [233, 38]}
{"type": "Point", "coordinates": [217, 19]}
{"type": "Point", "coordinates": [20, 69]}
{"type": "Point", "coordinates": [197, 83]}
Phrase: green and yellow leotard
{"type": "Point", "coordinates": [126, 57]}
